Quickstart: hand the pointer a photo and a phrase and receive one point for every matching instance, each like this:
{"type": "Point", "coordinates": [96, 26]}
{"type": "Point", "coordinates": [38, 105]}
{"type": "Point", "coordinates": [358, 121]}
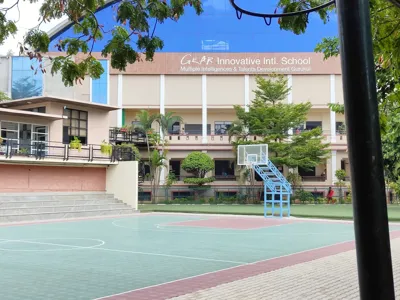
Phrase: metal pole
{"type": "Point", "coordinates": [375, 272]}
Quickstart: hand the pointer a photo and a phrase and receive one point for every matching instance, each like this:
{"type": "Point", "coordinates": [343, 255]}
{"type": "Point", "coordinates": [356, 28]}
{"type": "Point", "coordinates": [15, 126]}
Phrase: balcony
{"type": "Point", "coordinates": [212, 138]}
{"type": "Point", "coordinates": [38, 151]}
{"type": "Point", "coordinates": [313, 178]}
{"type": "Point", "coordinates": [123, 135]}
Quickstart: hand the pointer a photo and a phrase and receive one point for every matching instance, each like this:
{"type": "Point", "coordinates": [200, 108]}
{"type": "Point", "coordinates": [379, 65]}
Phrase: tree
{"type": "Point", "coordinates": [198, 164]}
{"type": "Point", "coordinates": [272, 120]}
{"type": "Point", "coordinates": [133, 36]}
{"type": "Point", "coordinates": [3, 96]}
{"type": "Point", "coordinates": [340, 183]}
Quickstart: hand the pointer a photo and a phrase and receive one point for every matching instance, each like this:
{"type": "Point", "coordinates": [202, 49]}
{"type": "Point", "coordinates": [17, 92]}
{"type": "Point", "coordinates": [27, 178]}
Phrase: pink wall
{"type": "Point", "coordinates": [19, 178]}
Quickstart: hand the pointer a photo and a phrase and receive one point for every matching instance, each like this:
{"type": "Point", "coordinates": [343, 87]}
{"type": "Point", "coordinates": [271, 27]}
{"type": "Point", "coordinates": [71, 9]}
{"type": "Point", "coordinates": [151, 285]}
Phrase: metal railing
{"type": "Point", "coordinates": [117, 134]}
{"type": "Point", "coordinates": [40, 150]}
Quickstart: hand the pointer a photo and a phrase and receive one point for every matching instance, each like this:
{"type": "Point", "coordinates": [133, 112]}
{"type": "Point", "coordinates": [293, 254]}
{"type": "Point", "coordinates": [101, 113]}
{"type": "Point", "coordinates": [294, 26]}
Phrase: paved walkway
{"type": "Point", "coordinates": [332, 277]}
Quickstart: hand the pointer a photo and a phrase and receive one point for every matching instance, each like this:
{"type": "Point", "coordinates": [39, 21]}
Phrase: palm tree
{"type": "Point", "coordinates": [239, 130]}
{"type": "Point", "coordinates": [146, 121]}
{"type": "Point", "coordinates": [166, 121]}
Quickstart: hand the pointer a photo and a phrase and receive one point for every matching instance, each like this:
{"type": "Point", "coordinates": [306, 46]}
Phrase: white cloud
{"type": "Point", "coordinates": [28, 16]}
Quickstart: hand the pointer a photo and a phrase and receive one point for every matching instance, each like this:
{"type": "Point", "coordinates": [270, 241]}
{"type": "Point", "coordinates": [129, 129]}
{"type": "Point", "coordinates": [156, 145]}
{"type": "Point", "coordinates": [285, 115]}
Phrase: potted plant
{"type": "Point", "coordinates": [106, 148]}
{"type": "Point", "coordinates": [76, 144]}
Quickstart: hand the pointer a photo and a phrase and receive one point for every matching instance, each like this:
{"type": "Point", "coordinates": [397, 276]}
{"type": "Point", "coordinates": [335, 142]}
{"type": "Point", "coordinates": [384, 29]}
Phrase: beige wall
{"type": "Point", "coordinates": [4, 74]}
{"type": "Point", "coordinates": [113, 116]}
{"type": "Point", "coordinates": [218, 115]}
{"type": "Point", "coordinates": [182, 91]}
{"type": "Point", "coordinates": [313, 88]}
{"type": "Point", "coordinates": [225, 90]}
{"type": "Point", "coordinates": [122, 181]}
{"type": "Point", "coordinates": [141, 90]}
{"type": "Point", "coordinates": [98, 122]}
{"type": "Point", "coordinates": [321, 115]}
{"type": "Point", "coordinates": [130, 116]}
{"type": "Point", "coordinates": [53, 86]}
{"type": "Point", "coordinates": [339, 89]}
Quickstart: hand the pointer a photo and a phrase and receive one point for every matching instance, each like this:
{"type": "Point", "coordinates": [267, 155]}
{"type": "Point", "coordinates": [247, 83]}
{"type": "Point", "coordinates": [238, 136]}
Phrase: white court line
{"type": "Point", "coordinates": [174, 256]}
{"type": "Point", "coordinates": [70, 247]}
{"type": "Point", "coordinates": [238, 232]}
{"type": "Point", "coordinates": [226, 269]}
{"type": "Point", "coordinates": [96, 247]}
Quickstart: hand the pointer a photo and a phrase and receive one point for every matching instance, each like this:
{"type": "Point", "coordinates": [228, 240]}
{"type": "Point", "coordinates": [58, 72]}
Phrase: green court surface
{"type": "Point", "coordinates": [89, 259]}
{"type": "Point", "coordinates": [330, 211]}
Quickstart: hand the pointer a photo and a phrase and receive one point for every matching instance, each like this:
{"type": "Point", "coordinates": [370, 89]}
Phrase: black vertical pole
{"type": "Point", "coordinates": [375, 272]}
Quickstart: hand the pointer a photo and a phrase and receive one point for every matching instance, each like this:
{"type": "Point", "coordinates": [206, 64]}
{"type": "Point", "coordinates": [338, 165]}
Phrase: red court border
{"type": "Point", "coordinates": [193, 284]}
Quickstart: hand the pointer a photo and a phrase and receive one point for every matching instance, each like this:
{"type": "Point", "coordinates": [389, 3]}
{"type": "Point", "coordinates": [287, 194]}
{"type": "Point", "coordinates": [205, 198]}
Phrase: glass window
{"type": "Point", "coordinates": [222, 127]}
{"type": "Point", "coordinates": [75, 125]}
{"type": "Point", "coordinates": [41, 109]}
{"type": "Point", "coordinates": [313, 124]}
{"type": "Point", "coordinates": [25, 82]}
{"type": "Point", "coordinates": [100, 86]}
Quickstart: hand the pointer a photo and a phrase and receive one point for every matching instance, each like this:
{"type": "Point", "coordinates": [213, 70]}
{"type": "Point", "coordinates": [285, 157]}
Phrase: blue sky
{"type": "Point", "coordinates": [218, 30]}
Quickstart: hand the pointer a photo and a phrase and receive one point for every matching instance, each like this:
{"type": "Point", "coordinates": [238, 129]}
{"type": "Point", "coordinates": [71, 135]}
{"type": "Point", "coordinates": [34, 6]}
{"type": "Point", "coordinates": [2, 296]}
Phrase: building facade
{"type": "Point", "coordinates": [200, 75]}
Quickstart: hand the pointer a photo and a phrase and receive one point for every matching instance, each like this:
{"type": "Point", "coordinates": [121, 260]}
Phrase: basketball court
{"type": "Point", "coordinates": [156, 256]}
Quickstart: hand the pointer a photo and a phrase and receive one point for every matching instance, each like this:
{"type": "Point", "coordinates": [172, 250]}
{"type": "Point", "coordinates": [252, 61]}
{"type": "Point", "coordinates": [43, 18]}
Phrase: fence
{"type": "Point", "coordinates": [241, 194]}
{"type": "Point", "coordinates": [55, 150]}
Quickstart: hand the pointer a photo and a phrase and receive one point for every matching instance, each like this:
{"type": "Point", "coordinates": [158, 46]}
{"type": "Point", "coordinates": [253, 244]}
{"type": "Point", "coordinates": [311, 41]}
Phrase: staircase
{"type": "Point", "coordinates": [277, 187]}
{"type": "Point", "coordinates": [47, 206]}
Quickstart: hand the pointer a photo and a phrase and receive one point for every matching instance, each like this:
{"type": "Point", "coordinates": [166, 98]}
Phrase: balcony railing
{"type": "Point", "coordinates": [40, 150]}
{"type": "Point", "coordinates": [124, 135]}
{"type": "Point", "coordinates": [314, 178]}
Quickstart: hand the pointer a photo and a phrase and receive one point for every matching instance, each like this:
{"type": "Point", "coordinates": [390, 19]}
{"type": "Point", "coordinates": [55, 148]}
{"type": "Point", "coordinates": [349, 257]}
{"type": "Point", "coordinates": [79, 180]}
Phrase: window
{"type": "Point", "coordinates": [41, 109]}
{"type": "Point", "coordinates": [340, 127]}
{"type": "Point", "coordinates": [24, 136]}
{"type": "Point", "coordinates": [175, 167]}
{"type": "Point", "coordinates": [75, 125]}
{"type": "Point", "coordinates": [222, 127]}
{"type": "Point", "coordinates": [175, 128]}
{"type": "Point", "coordinates": [196, 129]}
{"type": "Point", "coordinates": [313, 124]}
{"type": "Point", "coordinates": [224, 168]}
{"type": "Point", "coordinates": [181, 194]}
{"type": "Point", "coordinates": [25, 82]}
{"type": "Point", "coordinates": [225, 194]}
{"type": "Point", "coordinates": [144, 196]}
{"type": "Point", "coordinates": [308, 172]}
{"type": "Point", "coordinates": [100, 86]}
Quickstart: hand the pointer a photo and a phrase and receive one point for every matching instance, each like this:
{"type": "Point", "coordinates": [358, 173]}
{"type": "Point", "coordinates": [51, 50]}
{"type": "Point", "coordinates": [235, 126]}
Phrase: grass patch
{"type": "Point", "coordinates": [329, 211]}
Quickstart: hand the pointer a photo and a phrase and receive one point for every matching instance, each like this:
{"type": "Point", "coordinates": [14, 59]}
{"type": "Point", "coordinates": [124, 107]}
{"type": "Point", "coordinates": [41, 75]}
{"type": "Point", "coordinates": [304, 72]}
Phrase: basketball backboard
{"type": "Point", "coordinates": [252, 154]}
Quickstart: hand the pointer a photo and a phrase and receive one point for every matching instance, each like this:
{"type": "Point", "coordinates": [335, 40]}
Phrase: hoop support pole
{"type": "Point", "coordinates": [375, 272]}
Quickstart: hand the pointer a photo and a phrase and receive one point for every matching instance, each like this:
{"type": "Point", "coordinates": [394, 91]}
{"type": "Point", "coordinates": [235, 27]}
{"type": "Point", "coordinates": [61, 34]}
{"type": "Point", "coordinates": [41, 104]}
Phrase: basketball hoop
{"type": "Point", "coordinates": [268, 17]}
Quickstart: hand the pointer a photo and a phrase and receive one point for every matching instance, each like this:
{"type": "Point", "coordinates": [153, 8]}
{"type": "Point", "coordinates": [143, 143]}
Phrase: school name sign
{"type": "Point", "coordinates": [203, 63]}
{"type": "Point", "coordinates": [235, 63]}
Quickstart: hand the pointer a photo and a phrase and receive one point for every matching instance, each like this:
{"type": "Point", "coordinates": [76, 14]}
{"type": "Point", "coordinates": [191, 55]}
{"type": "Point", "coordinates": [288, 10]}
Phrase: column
{"type": "Point", "coordinates": [119, 102]}
{"type": "Point", "coordinates": [204, 108]}
{"type": "Point", "coordinates": [162, 112]}
{"type": "Point", "coordinates": [332, 113]}
{"type": "Point", "coordinates": [9, 93]}
{"type": "Point", "coordinates": [333, 165]}
{"type": "Point", "coordinates": [246, 93]}
{"type": "Point", "coordinates": [290, 96]}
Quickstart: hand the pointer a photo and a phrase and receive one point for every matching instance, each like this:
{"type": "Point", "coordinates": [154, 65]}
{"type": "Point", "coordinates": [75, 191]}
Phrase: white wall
{"type": "Point", "coordinates": [122, 181]}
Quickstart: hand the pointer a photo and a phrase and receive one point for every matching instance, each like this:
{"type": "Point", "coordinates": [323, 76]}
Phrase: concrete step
{"type": "Point", "coordinates": [54, 196]}
{"type": "Point", "coordinates": [66, 215]}
{"type": "Point", "coordinates": [56, 209]}
{"type": "Point", "coordinates": [41, 203]}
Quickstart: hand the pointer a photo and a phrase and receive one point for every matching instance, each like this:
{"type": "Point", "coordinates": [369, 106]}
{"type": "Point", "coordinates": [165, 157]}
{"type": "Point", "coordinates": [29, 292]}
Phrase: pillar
{"type": "Point", "coordinates": [204, 108]}
{"type": "Point", "coordinates": [120, 117]}
{"type": "Point", "coordinates": [332, 113]}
